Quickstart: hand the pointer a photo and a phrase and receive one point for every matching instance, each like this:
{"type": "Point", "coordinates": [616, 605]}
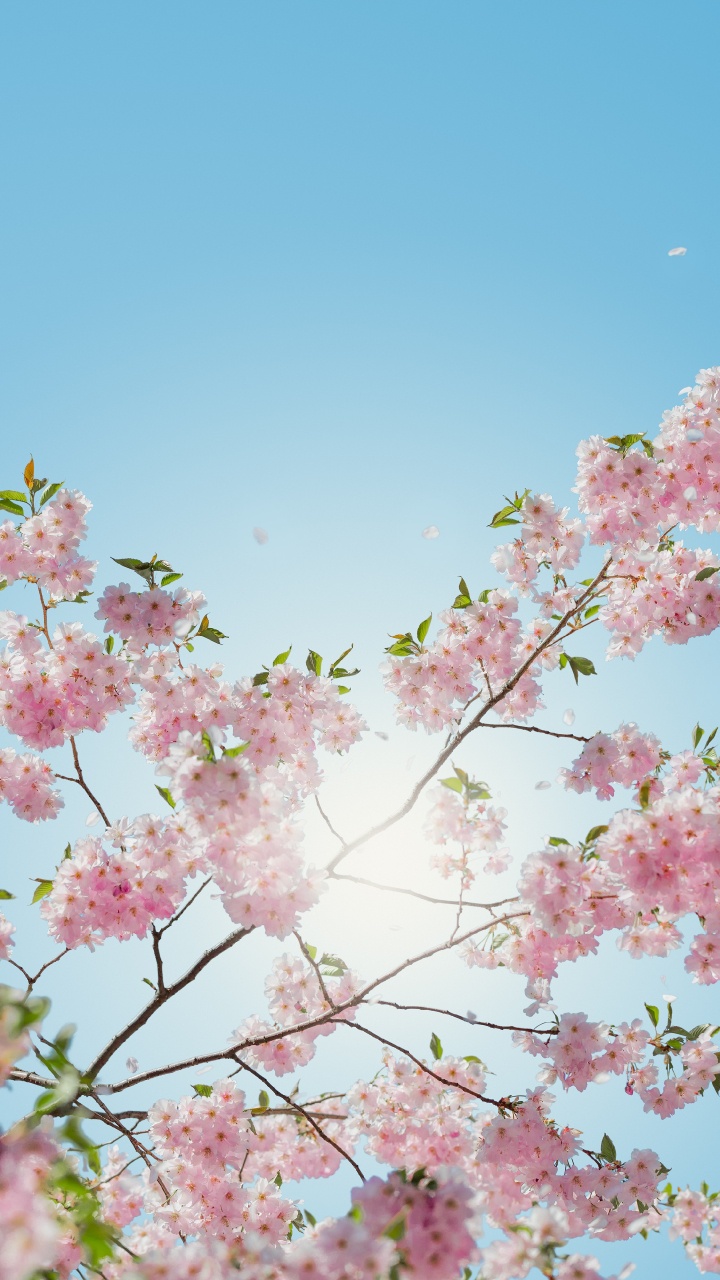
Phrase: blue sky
{"type": "Point", "coordinates": [342, 271]}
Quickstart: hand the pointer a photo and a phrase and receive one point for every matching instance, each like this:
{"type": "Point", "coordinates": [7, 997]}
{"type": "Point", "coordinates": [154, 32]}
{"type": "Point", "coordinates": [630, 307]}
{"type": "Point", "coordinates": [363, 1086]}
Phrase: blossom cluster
{"type": "Point", "coordinates": [622, 758]}
{"type": "Point", "coordinates": [473, 824]}
{"type": "Point", "coordinates": [43, 547]}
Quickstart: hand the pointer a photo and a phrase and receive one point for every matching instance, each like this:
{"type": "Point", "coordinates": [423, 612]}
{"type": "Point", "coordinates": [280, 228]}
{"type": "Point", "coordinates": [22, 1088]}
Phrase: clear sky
{"type": "Point", "coordinates": [342, 271]}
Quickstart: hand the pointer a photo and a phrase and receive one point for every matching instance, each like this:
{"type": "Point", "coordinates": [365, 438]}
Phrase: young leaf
{"type": "Point", "coordinates": [51, 491]}
{"type": "Point", "coordinates": [13, 494]}
{"type": "Point", "coordinates": [282, 657]}
{"type": "Point", "coordinates": [707, 573]}
{"type": "Point", "coordinates": [594, 833]}
{"type": "Point", "coordinates": [168, 578]}
{"type": "Point", "coordinates": [203, 1090]}
{"type": "Point", "coordinates": [263, 1100]}
{"type": "Point", "coordinates": [5, 894]}
{"type": "Point", "coordinates": [314, 662]}
{"type": "Point", "coordinates": [6, 504]}
{"type": "Point", "coordinates": [436, 1048]}
{"type": "Point", "coordinates": [43, 889]}
{"type": "Point", "coordinates": [29, 474]}
{"type": "Point", "coordinates": [582, 667]}
{"type": "Point", "coordinates": [236, 751]}
{"type": "Point", "coordinates": [165, 793]}
{"type": "Point", "coordinates": [697, 735]}
{"type": "Point", "coordinates": [454, 784]}
{"type": "Point", "coordinates": [607, 1149]}
{"type": "Point", "coordinates": [653, 1013]}
{"type": "Point", "coordinates": [109, 644]}
{"type": "Point", "coordinates": [423, 629]}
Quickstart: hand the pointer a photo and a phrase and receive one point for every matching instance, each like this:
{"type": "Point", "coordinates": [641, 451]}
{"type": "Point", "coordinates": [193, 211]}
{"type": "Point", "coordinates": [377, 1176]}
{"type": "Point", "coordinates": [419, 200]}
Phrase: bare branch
{"type": "Point", "coordinates": [413, 893]}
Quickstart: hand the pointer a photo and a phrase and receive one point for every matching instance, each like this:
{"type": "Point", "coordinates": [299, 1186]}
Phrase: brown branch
{"type": "Point", "coordinates": [309, 1023]}
{"type": "Point", "coordinates": [162, 998]}
{"type": "Point", "coordinates": [296, 1107]}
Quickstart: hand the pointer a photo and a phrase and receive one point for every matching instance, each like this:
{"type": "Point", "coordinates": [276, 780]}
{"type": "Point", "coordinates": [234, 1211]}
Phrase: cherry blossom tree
{"type": "Point", "coordinates": [472, 1176]}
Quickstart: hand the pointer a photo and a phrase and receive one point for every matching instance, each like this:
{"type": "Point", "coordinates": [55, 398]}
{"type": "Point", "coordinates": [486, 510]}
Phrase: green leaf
{"type": "Point", "coordinates": [43, 889]}
{"type": "Point", "coordinates": [644, 794]}
{"type": "Point", "coordinates": [282, 657]}
{"type": "Point", "coordinates": [236, 751]}
{"type": "Point", "coordinates": [710, 738]}
{"type": "Point", "coordinates": [165, 793]}
{"type": "Point", "coordinates": [454, 784]}
{"type": "Point", "coordinates": [698, 1030]}
{"type": "Point", "coordinates": [263, 1100]}
{"type": "Point", "coordinates": [260, 678]}
{"type": "Point", "coordinates": [170, 577]}
{"type": "Point", "coordinates": [581, 667]}
{"type": "Point", "coordinates": [203, 1090]}
{"type": "Point", "coordinates": [594, 834]}
{"type": "Point", "coordinates": [343, 688]}
{"type": "Point", "coordinates": [150, 984]}
{"type": "Point", "coordinates": [335, 668]}
{"type": "Point", "coordinates": [436, 1048]}
{"type": "Point", "coordinates": [310, 1218]}
{"type": "Point", "coordinates": [109, 644]}
{"type": "Point", "coordinates": [278, 1179]}
{"type": "Point", "coordinates": [423, 629]}
{"type": "Point", "coordinates": [697, 735]}
{"type": "Point", "coordinates": [312, 951]}
{"type": "Point", "coordinates": [314, 662]}
{"type": "Point", "coordinates": [653, 1013]}
{"type": "Point", "coordinates": [211, 633]}
{"type": "Point", "coordinates": [558, 840]}
{"type": "Point", "coordinates": [397, 1228]}
{"type": "Point", "coordinates": [13, 495]}
{"type": "Point", "coordinates": [590, 613]}
{"type": "Point", "coordinates": [51, 491]}
{"type": "Point", "coordinates": [563, 661]}
{"type": "Point", "coordinates": [5, 895]}
{"type": "Point", "coordinates": [6, 504]}
{"type": "Point", "coordinates": [607, 1149]}
{"type": "Point", "coordinates": [707, 573]}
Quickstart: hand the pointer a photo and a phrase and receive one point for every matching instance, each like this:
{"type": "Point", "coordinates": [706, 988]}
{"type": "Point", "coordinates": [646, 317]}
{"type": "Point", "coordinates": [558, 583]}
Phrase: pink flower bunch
{"type": "Point", "coordinates": [519, 1163]}
{"type": "Point", "coordinates": [481, 647]}
{"type": "Point", "coordinates": [47, 696]}
{"type": "Point", "coordinates": [26, 784]}
{"type": "Point", "coordinates": [100, 893]}
{"type": "Point", "coordinates": [43, 548]}
{"type": "Point", "coordinates": [408, 1118]}
{"type": "Point", "coordinates": [582, 1051]}
{"type": "Point", "coordinates": [534, 1242]}
{"type": "Point", "coordinates": [29, 1220]}
{"type": "Point", "coordinates": [700, 1065]}
{"type": "Point", "coordinates": [547, 538]}
{"type": "Point", "coordinates": [438, 1237]}
{"type": "Point", "coordinates": [695, 1219]}
{"type": "Point", "coordinates": [473, 824]}
{"type": "Point", "coordinates": [659, 593]}
{"type": "Point", "coordinates": [624, 757]}
{"type": "Point", "coordinates": [627, 495]}
{"type": "Point", "coordinates": [667, 857]}
{"type": "Point", "coordinates": [243, 824]}
{"type": "Point", "coordinates": [202, 1143]}
{"type": "Point", "coordinates": [294, 997]}
{"type": "Point", "coordinates": [154, 616]}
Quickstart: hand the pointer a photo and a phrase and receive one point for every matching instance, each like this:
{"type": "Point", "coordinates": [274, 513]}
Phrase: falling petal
{"type": "Point", "coordinates": [132, 1065]}
{"type": "Point", "coordinates": [432, 531]}
{"type": "Point", "coordinates": [694, 434]}
{"type": "Point", "coordinates": [684, 391]}
{"type": "Point", "coordinates": [380, 734]}
{"type": "Point", "coordinates": [543, 786]}
{"type": "Point", "coordinates": [92, 818]}
{"type": "Point", "coordinates": [260, 536]}
{"type": "Point", "coordinates": [677, 253]}
{"type": "Point", "coordinates": [569, 716]}
{"type": "Point", "coordinates": [471, 1017]}
{"type": "Point", "coordinates": [202, 1071]}
{"type": "Point", "coordinates": [690, 493]}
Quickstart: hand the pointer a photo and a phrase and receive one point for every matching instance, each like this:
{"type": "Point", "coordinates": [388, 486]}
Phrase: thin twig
{"type": "Point", "coordinates": [316, 968]}
{"type": "Point", "coordinates": [533, 728]}
{"type": "Point", "coordinates": [296, 1106]}
{"type": "Point", "coordinates": [451, 1084]}
{"type": "Point", "coordinates": [413, 893]}
{"type": "Point", "coordinates": [174, 919]}
{"type": "Point", "coordinates": [448, 1013]}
